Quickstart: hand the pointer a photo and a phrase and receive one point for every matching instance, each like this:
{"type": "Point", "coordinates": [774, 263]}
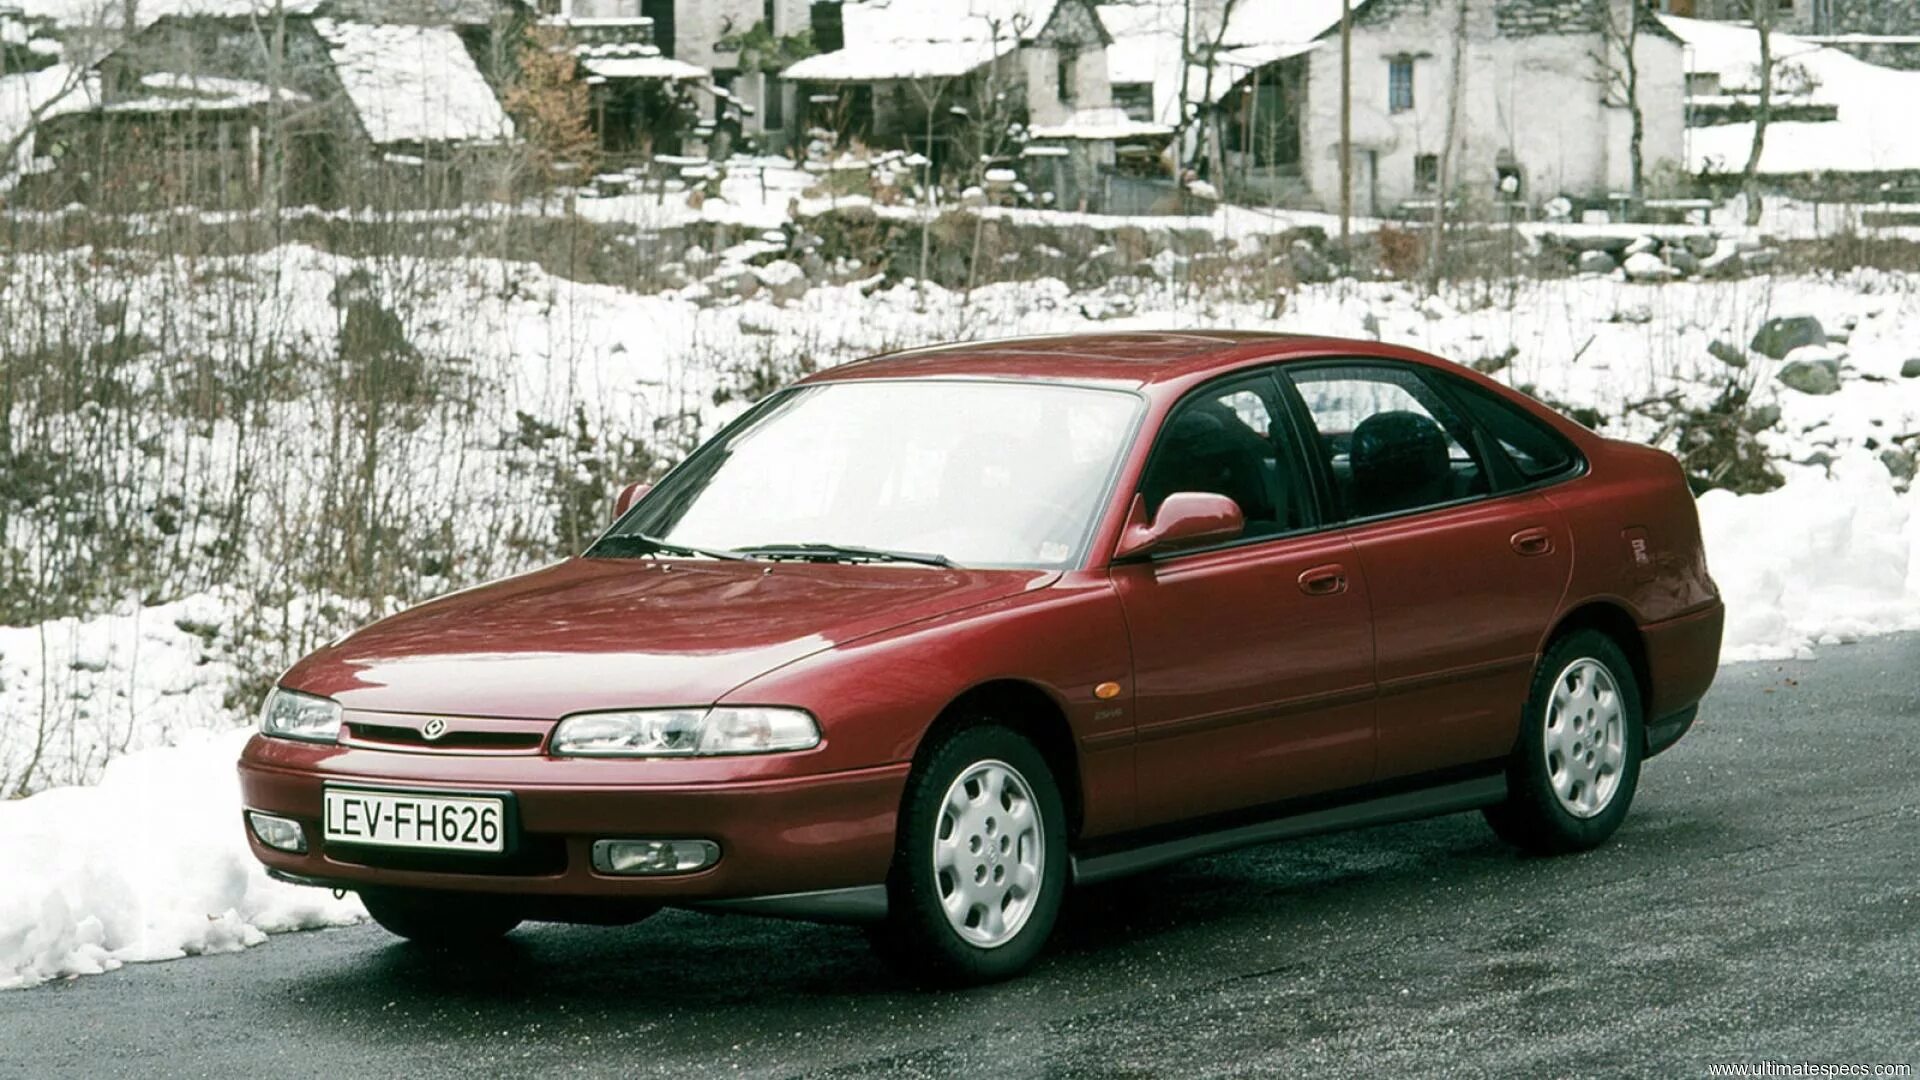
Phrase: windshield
{"type": "Point", "coordinates": [979, 473]}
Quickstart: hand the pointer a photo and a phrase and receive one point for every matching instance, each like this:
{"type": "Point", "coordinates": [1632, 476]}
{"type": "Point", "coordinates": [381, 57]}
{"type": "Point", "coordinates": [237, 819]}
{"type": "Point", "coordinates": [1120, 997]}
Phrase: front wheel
{"type": "Point", "coordinates": [439, 920]}
{"type": "Point", "coordinates": [1577, 762]}
{"type": "Point", "coordinates": [980, 863]}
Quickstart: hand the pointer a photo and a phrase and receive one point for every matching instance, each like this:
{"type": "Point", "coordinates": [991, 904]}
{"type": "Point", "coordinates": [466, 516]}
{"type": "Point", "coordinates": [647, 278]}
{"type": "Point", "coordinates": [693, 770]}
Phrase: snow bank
{"type": "Point", "coordinates": [1820, 561]}
{"type": "Point", "coordinates": [149, 864]}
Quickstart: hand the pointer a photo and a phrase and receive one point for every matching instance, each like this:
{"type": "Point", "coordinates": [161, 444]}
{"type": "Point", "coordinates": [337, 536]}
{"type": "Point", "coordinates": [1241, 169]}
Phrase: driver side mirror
{"type": "Point", "coordinates": [629, 495]}
{"type": "Point", "coordinates": [1186, 519]}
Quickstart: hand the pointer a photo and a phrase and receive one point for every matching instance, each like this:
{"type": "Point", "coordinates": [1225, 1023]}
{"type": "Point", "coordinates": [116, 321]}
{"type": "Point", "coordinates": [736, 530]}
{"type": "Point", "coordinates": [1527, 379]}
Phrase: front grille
{"type": "Point", "coordinates": [412, 738]}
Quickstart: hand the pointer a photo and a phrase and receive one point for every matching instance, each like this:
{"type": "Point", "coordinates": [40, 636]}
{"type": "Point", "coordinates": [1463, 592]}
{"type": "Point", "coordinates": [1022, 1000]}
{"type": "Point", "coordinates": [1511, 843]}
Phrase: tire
{"type": "Point", "coordinates": [982, 834]}
{"type": "Point", "coordinates": [439, 920]}
{"type": "Point", "coordinates": [1559, 801]}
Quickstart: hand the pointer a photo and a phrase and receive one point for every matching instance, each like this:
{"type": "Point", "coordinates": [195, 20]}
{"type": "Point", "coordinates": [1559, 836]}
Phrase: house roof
{"type": "Point", "coordinates": [413, 84]}
{"type": "Point", "coordinates": [1529, 18]}
{"type": "Point", "coordinates": [918, 39]}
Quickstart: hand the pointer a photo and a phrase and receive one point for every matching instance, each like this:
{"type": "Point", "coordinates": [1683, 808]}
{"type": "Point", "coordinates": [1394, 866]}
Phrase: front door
{"type": "Point", "coordinates": [1253, 660]}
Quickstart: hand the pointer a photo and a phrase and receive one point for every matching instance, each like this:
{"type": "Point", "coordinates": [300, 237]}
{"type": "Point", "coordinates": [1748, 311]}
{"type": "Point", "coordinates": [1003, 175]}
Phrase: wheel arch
{"type": "Point", "coordinates": [1617, 624]}
{"type": "Point", "coordinates": [1034, 712]}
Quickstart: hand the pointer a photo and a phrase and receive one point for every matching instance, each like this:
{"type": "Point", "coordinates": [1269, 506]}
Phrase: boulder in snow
{"type": "Point", "coordinates": [1308, 264]}
{"type": "Point", "coordinates": [1646, 266]}
{"type": "Point", "coordinates": [1643, 245]}
{"type": "Point", "coordinates": [1901, 463]}
{"type": "Point", "coordinates": [1760, 419]}
{"type": "Point", "coordinates": [1728, 353]}
{"type": "Point", "coordinates": [1683, 260]}
{"type": "Point", "coordinates": [1783, 335]}
{"type": "Point", "coordinates": [1595, 262]}
{"type": "Point", "coordinates": [1911, 369]}
{"type": "Point", "coordinates": [1815, 375]}
{"type": "Point", "coordinates": [1700, 245]}
{"type": "Point", "coordinates": [783, 279]}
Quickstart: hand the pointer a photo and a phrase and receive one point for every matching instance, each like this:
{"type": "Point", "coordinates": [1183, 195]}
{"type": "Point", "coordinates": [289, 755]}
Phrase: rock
{"type": "Point", "coordinates": [1701, 245]}
{"type": "Point", "coordinates": [1683, 260]}
{"type": "Point", "coordinates": [1816, 376]}
{"type": "Point", "coordinates": [1764, 259]}
{"type": "Point", "coordinates": [1370, 323]}
{"type": "Point", "coordinates": [1595, 262]}
{"type": "Point", "coordinates": [734, 281]}
{"type": "Point", "coordinates": [1308, 264]}
{"type": "Point", "coordinates": [1646, 266]}
{"type": "Point", "coordinates": [784, 280]}
{"type": "Point", "coordinates": [1728, 353]}
{"type": "Point", "coordinates": [1643, 245]}
{"type": "Point", "coordinates": [1782, 335]}
{"type": "Point", "coordinates": [1901, 463]}
{"type": "Point", "coordinates": [1911, 369]}
{"type": "Point", "coordinates": [1760, 419]}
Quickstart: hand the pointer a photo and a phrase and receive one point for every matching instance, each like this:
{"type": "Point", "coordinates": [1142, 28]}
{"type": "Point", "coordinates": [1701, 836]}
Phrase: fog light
{"type": "Point", "coordinates": [278, 833]}
{"type": "Point", "coordinates": [639, 857]}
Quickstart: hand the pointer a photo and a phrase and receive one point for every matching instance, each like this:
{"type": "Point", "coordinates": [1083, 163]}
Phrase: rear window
{"type": "Point", "coordinates": [1535, 449]}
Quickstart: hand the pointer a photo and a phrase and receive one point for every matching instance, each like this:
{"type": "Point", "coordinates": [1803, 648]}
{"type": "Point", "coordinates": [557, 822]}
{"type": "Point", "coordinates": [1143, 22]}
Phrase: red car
{"type": "Point", "coordinates": [926, 639]}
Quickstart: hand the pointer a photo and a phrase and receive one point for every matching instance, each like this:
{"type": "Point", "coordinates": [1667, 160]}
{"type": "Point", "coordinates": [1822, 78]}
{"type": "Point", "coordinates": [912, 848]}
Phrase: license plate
{"type": "Point", "coordinates": [399, 819]}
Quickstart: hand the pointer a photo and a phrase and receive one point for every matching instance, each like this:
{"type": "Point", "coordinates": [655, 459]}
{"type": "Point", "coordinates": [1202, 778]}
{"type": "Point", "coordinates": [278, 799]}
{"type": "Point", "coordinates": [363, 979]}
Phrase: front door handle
{"type": "Point", "coordinates": [1328, 580]}
{"type": "Point", "coordinates": [1533, 542]}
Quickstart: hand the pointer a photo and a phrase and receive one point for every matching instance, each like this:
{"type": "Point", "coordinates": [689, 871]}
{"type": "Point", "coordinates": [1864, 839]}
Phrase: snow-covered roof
{"type": "Point", "coordinates": [1100, 124]}
{"type": "Point", "coordinates": [1873, 130]}
{"type": "Point", "coordinates": [924, 39]}
{"type": "Point", "coordinates": [1259, 56]}
{"type": "Point", "coordinates": [414, 84]}
{"type": "Point", "coordinates": [179, 90]}
{"type": "Point", "coordinates": [641, 65]}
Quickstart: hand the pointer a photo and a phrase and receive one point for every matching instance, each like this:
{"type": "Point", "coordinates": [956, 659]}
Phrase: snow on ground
{"type": "Point", "coordinates": [149, 864]}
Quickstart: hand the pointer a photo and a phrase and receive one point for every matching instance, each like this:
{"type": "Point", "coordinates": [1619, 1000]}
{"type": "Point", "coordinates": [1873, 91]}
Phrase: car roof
{"type": "Point", "coordinates": [1133, 360]}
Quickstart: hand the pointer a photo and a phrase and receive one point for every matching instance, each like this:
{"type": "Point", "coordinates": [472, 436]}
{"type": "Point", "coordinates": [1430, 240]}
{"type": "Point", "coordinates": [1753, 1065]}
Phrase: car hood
{"type": "Point", "coordinates": [619, 633]}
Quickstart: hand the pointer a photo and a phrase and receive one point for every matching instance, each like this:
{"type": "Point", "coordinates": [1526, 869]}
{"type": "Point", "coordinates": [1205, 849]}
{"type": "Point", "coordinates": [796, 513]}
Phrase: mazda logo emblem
{"type": "Point", "coordinates": [435, 728]}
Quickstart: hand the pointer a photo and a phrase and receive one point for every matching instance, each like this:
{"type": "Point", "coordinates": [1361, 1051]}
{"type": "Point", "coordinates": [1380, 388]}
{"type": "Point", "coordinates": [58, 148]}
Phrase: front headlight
{"type": "Point", "coordinates": [724, 729]}
{"type": "Point", "coordinates": [290, 715]}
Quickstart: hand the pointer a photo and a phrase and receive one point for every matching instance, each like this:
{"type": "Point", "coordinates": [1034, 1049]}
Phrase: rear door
{"type": "Point", "coordinates": [1253, 660]}
{"type": "Point", "coordinates": [1465, 568]}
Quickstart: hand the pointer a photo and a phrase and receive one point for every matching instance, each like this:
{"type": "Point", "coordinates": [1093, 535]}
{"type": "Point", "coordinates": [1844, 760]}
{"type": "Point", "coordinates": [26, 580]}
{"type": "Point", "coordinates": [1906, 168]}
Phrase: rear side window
{"type": "Point", "coordinates": [1536, 450]}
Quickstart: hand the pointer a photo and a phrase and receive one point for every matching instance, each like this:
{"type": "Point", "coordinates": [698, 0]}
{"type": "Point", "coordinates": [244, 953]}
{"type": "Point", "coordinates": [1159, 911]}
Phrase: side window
{"type": "Point", "coordinates": [1536, 450]}
{"type": "Point", "coordinates": [1225, 439]}
{"type": "Point", "coordinates": [1390, 443]}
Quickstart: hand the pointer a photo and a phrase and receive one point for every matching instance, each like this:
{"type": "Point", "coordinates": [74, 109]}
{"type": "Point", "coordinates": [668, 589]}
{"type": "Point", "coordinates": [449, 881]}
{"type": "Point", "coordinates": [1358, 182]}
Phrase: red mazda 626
{"type": "Point", "coordinates": [924, 640]}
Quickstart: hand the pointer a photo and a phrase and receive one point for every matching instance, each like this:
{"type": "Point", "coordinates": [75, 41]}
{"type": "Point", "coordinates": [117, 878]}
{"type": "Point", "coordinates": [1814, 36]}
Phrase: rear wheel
{"type": "Point", "coordinates": [439, 919]}
{"type": "Point", "coordinates": [1577, 762]}
{"type": "Point", "coordinates": [980, 863]}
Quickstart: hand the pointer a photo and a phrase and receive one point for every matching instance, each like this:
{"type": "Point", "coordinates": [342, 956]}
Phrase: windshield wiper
{"type": "Point", "coordinates": [843, 553]}
{"type": "Point", "coordinates": [617, 547]}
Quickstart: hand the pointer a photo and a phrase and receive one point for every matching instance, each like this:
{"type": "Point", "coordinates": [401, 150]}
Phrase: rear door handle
{"type": "Point", "coordinates": [1533, 542]}
{"type": "Point", "coordinates": [1328, 580]}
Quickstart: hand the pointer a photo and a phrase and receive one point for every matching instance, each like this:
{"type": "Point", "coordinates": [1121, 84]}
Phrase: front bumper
{"type": "Point", "coordinates": [777, 836]}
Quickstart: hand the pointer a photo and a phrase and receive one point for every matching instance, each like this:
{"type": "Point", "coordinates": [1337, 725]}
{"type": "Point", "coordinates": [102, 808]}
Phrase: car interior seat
{"type": "Point", "coordinates": [1399, 461]}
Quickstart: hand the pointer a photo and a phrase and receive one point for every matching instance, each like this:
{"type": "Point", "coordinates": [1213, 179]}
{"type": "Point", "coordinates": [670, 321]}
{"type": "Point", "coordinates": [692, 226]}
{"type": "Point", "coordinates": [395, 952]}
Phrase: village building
{"type": "Point", "coordinates": [1543, 92]}
{"type": "Point", "coordinates": [979, 83]}
{"type": "Point", "coordinates": [319, 103]}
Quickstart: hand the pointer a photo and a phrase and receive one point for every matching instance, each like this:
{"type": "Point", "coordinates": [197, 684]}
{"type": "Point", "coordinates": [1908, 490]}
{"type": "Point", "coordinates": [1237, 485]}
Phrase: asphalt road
{"type": "Point", "coordinates": [1760, 903]}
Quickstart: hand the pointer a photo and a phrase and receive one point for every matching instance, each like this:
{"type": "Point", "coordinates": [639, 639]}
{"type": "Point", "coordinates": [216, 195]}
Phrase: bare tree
{"type": "Point", "coordinates": [1620, 75]}
{"type": "Point", "coordinates": [1207, 144]}
{"type": "Point", "coordinates": [1761, 12]}
{"type": "Point", "coordinates": [1456, 90]}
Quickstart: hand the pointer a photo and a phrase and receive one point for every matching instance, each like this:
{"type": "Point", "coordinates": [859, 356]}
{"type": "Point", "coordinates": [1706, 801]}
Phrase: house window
{"type": "Point", "coordinates": [1134, 99]}
{"type": "Point", "coordinates": [1069, 75]}
{"type": "Point", "coordinates": [661, 12]}
{"type": "Point", "coordinates": [829, 32]}
{"type": "Point", "coordinates": [1426, 173]}
{"type": "Point", "coordinates": [1400, 84]}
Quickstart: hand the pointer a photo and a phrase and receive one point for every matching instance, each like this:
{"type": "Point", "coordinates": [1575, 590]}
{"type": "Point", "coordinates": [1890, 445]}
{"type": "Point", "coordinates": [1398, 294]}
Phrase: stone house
{"type": "Point", "coordinates": [950, 78]}
{"type": "Point", "coordinates": [328, 101]}
{"type": "Point", "coordinates": [1543, 109]}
